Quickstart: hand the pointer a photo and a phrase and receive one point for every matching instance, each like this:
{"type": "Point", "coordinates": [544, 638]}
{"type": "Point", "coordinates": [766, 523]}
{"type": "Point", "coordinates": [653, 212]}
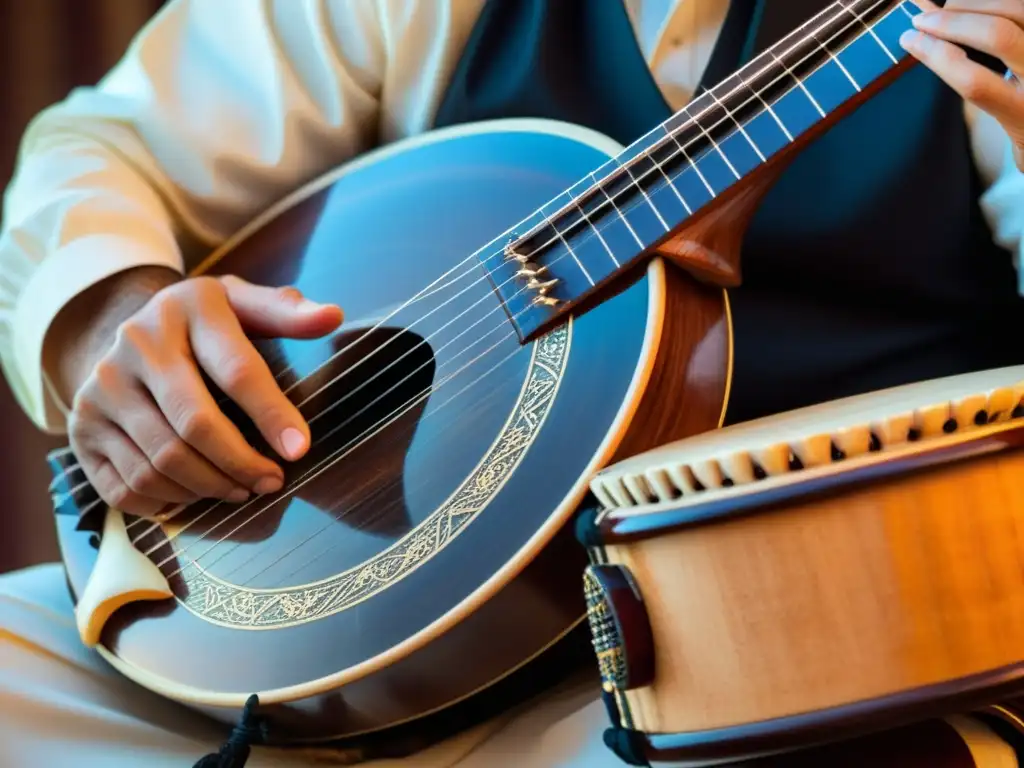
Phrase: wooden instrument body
{"type": "Point", "coordinates": [984, 739]}
{"type": "Point", "coordinates": [443, 563]}
{"type": "Point", "coordinates": [873, 590]}
{"type": "Point", "coordinates": [427, 563]}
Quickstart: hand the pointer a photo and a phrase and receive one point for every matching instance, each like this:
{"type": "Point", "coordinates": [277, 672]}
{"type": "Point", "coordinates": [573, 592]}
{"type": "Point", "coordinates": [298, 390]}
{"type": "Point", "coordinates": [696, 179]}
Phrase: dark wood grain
{"type": "Point", "coordinates": [929, 744]}
{"type": "Point", "coordinates": [834, 732]}
{"type": "Point", "coordinates": [371, 239]}
{"type": "Point", "coordinates": [649, 361]}
{"type": "Point", "coordinates": [700, 219]}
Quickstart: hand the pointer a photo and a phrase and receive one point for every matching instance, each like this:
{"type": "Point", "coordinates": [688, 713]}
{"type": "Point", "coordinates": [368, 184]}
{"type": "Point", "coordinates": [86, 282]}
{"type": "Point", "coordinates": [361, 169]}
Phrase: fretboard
{"type": "Point", "coordinates": [625, 209]}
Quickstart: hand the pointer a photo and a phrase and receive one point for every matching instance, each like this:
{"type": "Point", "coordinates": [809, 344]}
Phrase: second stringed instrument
{"type": "Point", "coordinates": [813, 575]}
{"type": "Point", "coordinates": [546, 302]}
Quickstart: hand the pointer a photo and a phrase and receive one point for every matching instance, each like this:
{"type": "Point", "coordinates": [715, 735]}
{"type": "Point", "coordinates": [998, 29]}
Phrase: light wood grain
{"type": "Point", "coordinates": [893, 586]}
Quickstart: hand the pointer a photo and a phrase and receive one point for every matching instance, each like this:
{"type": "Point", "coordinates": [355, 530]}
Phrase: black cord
{"type": "Point", "coordinates": [235, 751]}
{"type": "Point", "coordinates": [626, 744]}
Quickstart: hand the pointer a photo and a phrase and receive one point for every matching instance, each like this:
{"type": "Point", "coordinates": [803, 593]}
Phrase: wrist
{"type": "Point", "coordinates": [84, 329]}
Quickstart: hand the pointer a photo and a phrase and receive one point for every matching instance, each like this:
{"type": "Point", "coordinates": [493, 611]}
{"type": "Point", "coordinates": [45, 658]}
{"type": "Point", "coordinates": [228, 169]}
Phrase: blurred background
{"type": "Point", "coordinates": [47, 47]}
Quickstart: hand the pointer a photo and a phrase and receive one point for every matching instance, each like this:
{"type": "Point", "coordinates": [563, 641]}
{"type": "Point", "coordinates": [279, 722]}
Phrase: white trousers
{"type": "Point", "coordinates": [62, 706]}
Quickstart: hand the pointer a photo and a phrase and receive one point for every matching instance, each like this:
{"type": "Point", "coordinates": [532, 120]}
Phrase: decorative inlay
{"type": "Point", "coordinates": [221, 602]}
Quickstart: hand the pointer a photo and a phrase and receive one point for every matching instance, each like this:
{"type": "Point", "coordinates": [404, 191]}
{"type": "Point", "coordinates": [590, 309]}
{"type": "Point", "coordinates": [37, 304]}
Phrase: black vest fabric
{"type": "Point", "coordinates": [869, 263]}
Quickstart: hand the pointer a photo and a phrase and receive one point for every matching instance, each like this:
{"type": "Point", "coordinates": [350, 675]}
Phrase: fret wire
{"type": "Point", "coordinates": [759, 96]}
{"type": "Point", "coordinates": [689, 160]}
{"type": "Point", "coordinates": [668, 180]}
{"type": "Point", "coordinates": [615, 205]}
{"type": "Point", "coordinates": [565, 241]}
{"type": "Point", "coordinates": [796, 32]}
{"type": "Point", "coordinates": [871, 30]}
{"type": "Point", "coordinates": [672, 186]}
{"type": "Point", "coordinates": [597, 231]}
{"type": "Point", "coordinates": [662, 127]}
{"type": "Point", "coordinates": [834, 57]}
{"type": "Point", "coordinates": [771, 111]}
{"type": "Point", "coordinates": [572, 252]}
{"type": "Point", "coordinates": [903, 7]}
{"type": "Point", "coordinates": [770, 51]}
{"type": "Point", "coordinates": [713, 142]}
{"type": "Point", "coordinates": [739, 125]}
{"type": "Point", "coordinates": [639, 141]}
{"type": "Point", "coordinates": [633, 204]}
{"type": "Point", "coordinates": [838, 63]}
{"type": "Point", "coordinates": [643, 192]}
{"type": "Point", "coordinates": [756, 94]}
{"type": "Point", "coordinates": [803, 87]}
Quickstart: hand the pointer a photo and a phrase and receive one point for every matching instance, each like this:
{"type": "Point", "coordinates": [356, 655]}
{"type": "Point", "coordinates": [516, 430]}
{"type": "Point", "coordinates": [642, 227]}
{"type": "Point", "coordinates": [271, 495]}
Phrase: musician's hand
{"type": "Point", "coordinates": [146, 428]}
{"type": "Point", "coordinates": [995, 27]}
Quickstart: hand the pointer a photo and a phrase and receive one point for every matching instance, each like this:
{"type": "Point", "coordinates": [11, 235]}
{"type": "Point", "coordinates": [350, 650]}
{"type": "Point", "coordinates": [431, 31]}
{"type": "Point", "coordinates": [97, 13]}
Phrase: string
{"type": "Point", "coordinates": [436, 308]}
{"type": "Point", "coordinates": [165, 518]}
{"type": "Point", "coordinates": [333, 459]}
{"type": "Point", "coordinates": [70, 468]}
{"type": "Point", "coordinates": [287, 552]}
{"type": "Point", "coordinates": [442, 382]}
{"type": "Point", "coordinates": [729, 115]}
{"type": "Point", "coordinates": [691, 119]}
{"type": "Point", "coordinates": [279, 559]}
{"type": "Point", "coordinates": [657, 168]}
{"type": "Point", "coordinates": [347, 421]}
{"type": "Point", "coordinates": [610, 200]}
{"type": "Point", "coordinates": [857, 19]}
{"type": "Point", "coordinates": [333, 519]}
{"type": "Point", "coordinates": [358, 440]}
{"type": "Point", "coordinates": [788, 71]}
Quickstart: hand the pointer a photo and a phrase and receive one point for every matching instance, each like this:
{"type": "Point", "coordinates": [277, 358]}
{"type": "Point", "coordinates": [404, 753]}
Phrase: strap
{"type": "Point", "coordinates": [234, 753]}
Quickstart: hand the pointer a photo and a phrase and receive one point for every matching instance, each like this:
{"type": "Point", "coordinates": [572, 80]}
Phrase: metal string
{"type": "Point", "coordinates": [333, 519]}
{"type": "Point", "coordinates": [558, 236]}
{"type": "Point", "coordinates": [301, 482]}
{"type": "Point", "coordinates": [337, 456]}
{"type": "Point", "coordinates": [692, 119]}
{"type": "Point", "coordinates": [355, 415]}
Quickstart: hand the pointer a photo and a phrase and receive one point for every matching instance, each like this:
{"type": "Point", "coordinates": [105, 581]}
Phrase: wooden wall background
{"type": "Point", "coordinates": [47, 47]}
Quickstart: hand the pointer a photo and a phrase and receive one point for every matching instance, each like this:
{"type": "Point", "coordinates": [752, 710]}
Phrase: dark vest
{"type": "Point", "coordinates": [869, 263]}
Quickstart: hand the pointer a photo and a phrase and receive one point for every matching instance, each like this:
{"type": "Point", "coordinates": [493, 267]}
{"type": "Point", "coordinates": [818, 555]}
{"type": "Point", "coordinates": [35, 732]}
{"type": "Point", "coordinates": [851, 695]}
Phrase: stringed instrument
{"type": "Point", "coordinates": [987, 738]}
{"type": "Point", "coordinates": [814, 575]}
{"type": "Point", "coordinates": [526, 301]}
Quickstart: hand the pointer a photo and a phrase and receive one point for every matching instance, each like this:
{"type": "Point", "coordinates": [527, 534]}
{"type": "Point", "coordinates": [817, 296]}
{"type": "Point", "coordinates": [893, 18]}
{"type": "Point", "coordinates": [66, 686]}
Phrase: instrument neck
{"type": "Point", "coordinates": [700, 157]}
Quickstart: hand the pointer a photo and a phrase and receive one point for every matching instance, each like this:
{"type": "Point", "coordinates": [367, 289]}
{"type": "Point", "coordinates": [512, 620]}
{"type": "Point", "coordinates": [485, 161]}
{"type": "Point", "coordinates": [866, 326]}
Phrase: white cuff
{"type": "Point", "coordinates": [59, 278]}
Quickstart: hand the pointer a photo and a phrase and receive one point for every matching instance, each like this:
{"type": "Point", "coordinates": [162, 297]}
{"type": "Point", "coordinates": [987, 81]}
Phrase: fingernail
{"type": "Point", "coordinates": [910, 38]}
{"type": "Point", "coordinates": [926, 20]}
{"type": "Point", "coordinates": [238, 495]}
{"type": "Point", "coordinates": [293, 443]}
{"type": "Point", "coordinates": [268, 485]}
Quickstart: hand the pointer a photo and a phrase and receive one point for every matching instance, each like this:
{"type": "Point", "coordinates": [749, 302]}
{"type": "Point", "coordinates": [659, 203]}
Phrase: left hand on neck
{"type": "Point", "coordinates": [995, 27]}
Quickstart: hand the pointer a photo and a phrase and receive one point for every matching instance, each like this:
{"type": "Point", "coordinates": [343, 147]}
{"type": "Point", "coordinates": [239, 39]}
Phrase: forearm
{"type": "Point", "coordinates": [1002, 198]}
{"type": "Point", "coordinates": [159, 163]}
{"type": "Point", "coordinates": [75, 215]}
{"type": "Point", "coordinates": [84, 329]}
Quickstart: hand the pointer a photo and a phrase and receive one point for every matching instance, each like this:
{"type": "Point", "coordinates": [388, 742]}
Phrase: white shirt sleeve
{"type": "Point", "coordinates": [218, 109]}
{"type": "Point", "coordinates": [1002, 202]}
{"type": "Point", "coordinates": [222, 107]}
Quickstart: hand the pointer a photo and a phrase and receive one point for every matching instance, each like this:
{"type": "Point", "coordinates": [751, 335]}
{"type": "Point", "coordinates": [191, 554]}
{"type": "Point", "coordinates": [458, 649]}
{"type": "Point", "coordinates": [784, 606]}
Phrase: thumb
{"type": "Point", "coordinates": [279, 312]}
